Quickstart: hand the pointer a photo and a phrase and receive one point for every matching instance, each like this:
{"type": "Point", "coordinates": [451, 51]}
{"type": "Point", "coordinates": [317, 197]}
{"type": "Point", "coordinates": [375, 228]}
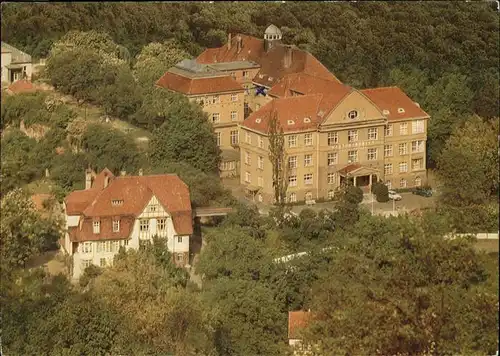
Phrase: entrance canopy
{"type": "Point", "coordinates": [357, 170]}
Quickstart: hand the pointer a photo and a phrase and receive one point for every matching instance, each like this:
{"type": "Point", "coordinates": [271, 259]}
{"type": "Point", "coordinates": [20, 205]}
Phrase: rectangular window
{"type": "Point", "coordinates": [248, 178]}
{"type": "Point", "coordinates": [179, 239]}
{"type": "Point", "coordinates": [403, 128]}
{"type": "Point", "coordinates": [245, 74]}
{"type": "Point", "coordinates": [215, 99]}
{"type": "Point", "coordinates": [308, 179]}
{"type": "Point", "coordinates": [96, 227]}
{"type": "Point", "coordinates": [417, 164]}
{"type": "Point", "coordinates": [417, 126]}
{"type": "Point", "coordinates": [418, 146]}
{"type": "Point", "coordinates": [86, 263]}
{"type": "Point", "coordinates": [215, 118]}
{"type": "Point", "coordinates": [308, 139]}
{"type": "Point", "coordinates": [352, 135]}
{"type": "Point", "coordinates": [403, 149]}
{"type": "Point", "coordinates": [260, 162]}
{"type": "Point", "coordinates": [107, 246]}
{"type": "Point", "coordinates": [308, 160]}
{"type": "Point", "coordinates": [388, 168]}
{"type": "Point", "coordinates": [87, 247]}
{"type": "Point", "coordinates": [234, 116]}
{"type": "Point", "coordinates": [292, 181]}
{"type": "Point", "coordinates": [293, 197]}
{"type": "Point", "coordinates": [292, 141]}
{"type": "Point", "coordinates": [102, 262]}
{"type": "Point", "coordinates": [248, 159]}
{"type": "Point", "coordinates": [161, 224]}
{"type": "Point", "coordinates": [261, 142]}
{"type": "Point", "coordinates": [144, 225]}
{"type": "Point", "coordinates": [333, 138]}
{"type": "Point", "coordinates": [331, 178]}
{"type": "Point", "coordinates": [218, 138]}
{"type": "Point", "coordinates": [403, 167]}
{"type": "Point", "coordinates": [234, 97]}
{"type": "Point", "coordinates": [115, 245]}
{"type": "Point", "coordinates": [372, 154]}
{"type": "Point", "coordinates": [292, 162]}
{"type": "Point", "coordinates": [372, 133]}
{"type": "Point", "coordinates": [260, 181]}
{"type": "Point", "coordinates": [388, 130]}
{"type": "Point", "coordinates": [352, 156]}
{"type": "Point", "coordinates": [402, 183]}
{"type": "Point", "coordinates": [388, 151]}
{"type": "Point", "coordinates": [234, 137]}
{"type": "Point", "coordinates": [116, 225]}
{"type": "Point", "coordinates": [248, 137]}
{"type": "Point", "coordinates": [332, 158]}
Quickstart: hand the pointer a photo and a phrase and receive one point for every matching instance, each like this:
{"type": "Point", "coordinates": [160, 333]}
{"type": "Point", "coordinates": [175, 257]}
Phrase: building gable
{"type": "Point", "coordinates": [354, 109]}
{"type": "Point", "coordinates": [153, 209]}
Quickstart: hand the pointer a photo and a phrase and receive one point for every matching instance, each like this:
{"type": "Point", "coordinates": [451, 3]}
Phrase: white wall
{"type": "Point", "coordinates": [94, 256]}
{"type": "Point", "coordinates": [6, 59]}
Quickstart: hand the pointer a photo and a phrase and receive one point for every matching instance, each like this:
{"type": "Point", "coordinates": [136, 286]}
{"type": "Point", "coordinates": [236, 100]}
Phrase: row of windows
{"type": "Point", "coordinates": [248, 179]}
{"type": "Point", "coordinates": [227, 166]}
{"type": "Point", "coordinates": [96, 226]}
{"type": "Point", "coordinates": [215, 99]}
{"type": "Point", "coordinates": [216, 117]}
{"type": "Point", "coordinates": [403, 183]}
{"type": "Point", "coordinates": [352, 135]}
{"type": "Point", "coordinates": [161, 224]}
{"type": "Point", "coordinates": [234, 136]}
{"type": "Point", "coordinates": [103, 246]}
{"type": "Point", "coordinates": [416, 165]}
{"type": "Point", "coordinates": [248, 139]}
{"type": "Point", "coordinates": [103, 262]}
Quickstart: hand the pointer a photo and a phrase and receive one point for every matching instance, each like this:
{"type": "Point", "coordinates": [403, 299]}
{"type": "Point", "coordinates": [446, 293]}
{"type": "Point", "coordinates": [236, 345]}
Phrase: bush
{"type": "Point", "coordinates": [381, 192]}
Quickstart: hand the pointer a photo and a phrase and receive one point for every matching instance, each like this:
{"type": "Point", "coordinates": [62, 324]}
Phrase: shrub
{"type": "Point", "coordinates": [381, 192]}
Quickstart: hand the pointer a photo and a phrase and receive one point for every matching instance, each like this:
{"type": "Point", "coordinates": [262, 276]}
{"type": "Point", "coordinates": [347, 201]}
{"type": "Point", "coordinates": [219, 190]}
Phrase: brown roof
{"type": "Point", "coordinates": [136, 192]}
{"type": "Point", "coordinates": [252, 49]}
{"type": "Point", "coordinates": [273, 66]}
{"type": "Point", "coordinates": [316, 107]}
{"type": "Point", "coordinates": [272, 62]}
{"type": "Point", "coordinates": [194, 86]}
{"type": "Point", "coordinates": [22, 86]}
{"type": "Point", "coordinates": [393, 98]}
{"type": "Point", "coordinates": [297, 321]}
{"type": "Point", "coordinates": [350, 168]}
{"type": "Point", "coordinates": [304, 84]}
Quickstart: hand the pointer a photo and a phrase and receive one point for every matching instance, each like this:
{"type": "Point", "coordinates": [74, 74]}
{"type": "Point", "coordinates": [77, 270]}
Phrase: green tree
{"type": "Point", "coordinates": [468, 170]}
{"type": "Point", "coordinates": [23, 232]}
{"type": "Point", "coordinates": [381, 192]}
{"type": "Point", "coordinates": [346, 201]}
{"type": "Point", "coordinates": [278, 158]}
{"type": "Point", "coordinates": [108, 147]}
{"type": "Point", "coordinates": [185, 135]}
{"type": "Point", "coordinates": [392, 277]}
{"type": "Point", "coordinates": [155, 59]}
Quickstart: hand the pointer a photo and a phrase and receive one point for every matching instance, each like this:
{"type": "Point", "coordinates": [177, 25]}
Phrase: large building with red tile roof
{"type": "Point", "coordinates": [338, 134]}
{"type": "Point", "coordinates": [220, 96]}
{"type": "Point", "coordinates": [126, 211]}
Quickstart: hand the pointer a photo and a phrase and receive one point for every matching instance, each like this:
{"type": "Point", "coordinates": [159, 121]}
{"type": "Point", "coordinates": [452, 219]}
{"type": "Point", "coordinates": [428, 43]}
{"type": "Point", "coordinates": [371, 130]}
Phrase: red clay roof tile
{"type": "Point", "coordinates": [252, 49]}
{"type": "Point", "coordinates": [392, 99]}
{"type": "Point", "coordinates": [297, 321]}
{"type": "Point", "coordinates": [22, 86]}
{"type": "Point", "coordinates": [195, 86]}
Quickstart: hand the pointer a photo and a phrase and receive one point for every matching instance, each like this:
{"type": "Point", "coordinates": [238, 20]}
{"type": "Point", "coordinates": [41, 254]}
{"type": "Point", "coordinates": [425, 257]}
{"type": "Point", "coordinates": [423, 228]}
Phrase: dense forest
{"type": "Point", "coordinates": [423, 293]}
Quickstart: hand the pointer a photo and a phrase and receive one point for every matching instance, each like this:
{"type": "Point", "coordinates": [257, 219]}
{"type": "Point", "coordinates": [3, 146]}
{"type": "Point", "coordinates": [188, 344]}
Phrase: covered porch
{"type": "Point", "coordinates": [360, 176]}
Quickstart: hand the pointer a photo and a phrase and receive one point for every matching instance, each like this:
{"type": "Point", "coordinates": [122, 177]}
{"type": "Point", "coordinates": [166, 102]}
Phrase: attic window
{"type": "Point", "coordinates": [417, 104]}
{"type": "Point", "coordinates": [307, 120]}
{"type": "Point", "coordinates": [353, 114]}
{"type": "Point", "coordinates": [258, 120]}
{"type": "Point", "coordinates": [261, 76]}
{"type": "Point", "coordinates": [291, 122]}
{"type": "Point", "coordinates": [270, 79]}
{"type": "Point", "coordinates": [385, 112]}
{"type": "Point", "coordinates": [116, 202]}
{"type": "Point", "coordinates": [401, 110]}
{"type": "Point", "coordinates": [321, 113]}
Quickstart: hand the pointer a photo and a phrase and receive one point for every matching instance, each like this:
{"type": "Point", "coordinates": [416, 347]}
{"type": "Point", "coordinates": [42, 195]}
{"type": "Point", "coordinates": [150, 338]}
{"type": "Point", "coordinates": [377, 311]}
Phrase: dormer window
{"type": "Point", "coordinates": [116, 225]}
{"type": "Point", "coordinates": [116, 202]}
{"type": "Point", "coordinates": [96, 227]}
{"type": "Point", "coordinates": [291, 122]}
{"type": "Point", "coordinates": [385, 112]}
{"type": "Point", "coordinates": [307, 120]}
{"type": "Point", "coordinates": [258, 120]}
{"type": "Point", "coordinates": [401, 110]}
{"type": "Point", "coordinates": [270, 79]}
{"type": "Point", "coordinates": [321, 113]}
{"type": "Point", "coordinates": [261, 76]}
{"type": "Point", "coordinates": [353, 114]}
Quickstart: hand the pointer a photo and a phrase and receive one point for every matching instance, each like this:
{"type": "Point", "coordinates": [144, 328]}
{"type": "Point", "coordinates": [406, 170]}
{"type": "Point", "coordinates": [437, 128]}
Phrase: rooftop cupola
{"type": "Point", "coordinates": [272, 36]}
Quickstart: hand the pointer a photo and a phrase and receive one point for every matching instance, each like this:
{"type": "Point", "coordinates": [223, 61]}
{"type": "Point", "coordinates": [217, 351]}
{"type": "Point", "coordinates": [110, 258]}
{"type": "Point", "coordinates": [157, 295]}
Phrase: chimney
{"type": "Point", "coordinates": [239, 44]}
{"type": "Point", "coordinates": [229, 41]}
{"type": "Point", "coordinates": [123, 173]}
{"type": "Point", "coordinates": [288, 57]}
{"type": "Point", "coordinates": [88, 178]}
{"type": "Point", "coordinates": [141, 172]}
